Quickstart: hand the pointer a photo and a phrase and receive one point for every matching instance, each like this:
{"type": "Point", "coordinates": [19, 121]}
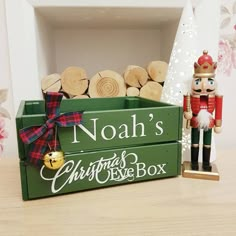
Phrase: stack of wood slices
{"type": "Point", "coordinates": [135, 81]}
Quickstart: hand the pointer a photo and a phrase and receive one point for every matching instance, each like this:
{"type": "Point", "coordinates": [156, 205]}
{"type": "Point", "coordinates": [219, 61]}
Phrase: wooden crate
{"type": "Point", "coordinates": [121, 140]}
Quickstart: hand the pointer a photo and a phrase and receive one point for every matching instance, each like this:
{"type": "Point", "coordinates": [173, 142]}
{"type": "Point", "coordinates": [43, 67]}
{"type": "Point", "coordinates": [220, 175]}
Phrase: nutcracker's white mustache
{"type": "Point", "coordinates": [203, 119]}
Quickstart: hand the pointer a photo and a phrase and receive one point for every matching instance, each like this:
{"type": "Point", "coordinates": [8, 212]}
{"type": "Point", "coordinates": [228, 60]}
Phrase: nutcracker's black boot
{"type": "Point", "coordinates": [206, 159]}
{"type": "Point", "coordinates": [194, 158]}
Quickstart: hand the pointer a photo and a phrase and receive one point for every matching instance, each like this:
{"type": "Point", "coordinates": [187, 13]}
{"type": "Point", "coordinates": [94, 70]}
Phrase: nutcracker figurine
{"type": "Point", "coordinates": [199, 107]}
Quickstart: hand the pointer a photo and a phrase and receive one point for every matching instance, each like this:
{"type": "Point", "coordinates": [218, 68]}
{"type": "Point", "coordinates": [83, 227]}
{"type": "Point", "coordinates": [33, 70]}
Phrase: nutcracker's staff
{"type": "Point", "coordinates": [188, 109]}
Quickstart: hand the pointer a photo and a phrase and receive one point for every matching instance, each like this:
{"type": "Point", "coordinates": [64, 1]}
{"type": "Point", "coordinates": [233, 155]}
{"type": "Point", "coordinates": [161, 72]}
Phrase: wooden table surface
{"type": "Point", "coordinates": [174, 206]}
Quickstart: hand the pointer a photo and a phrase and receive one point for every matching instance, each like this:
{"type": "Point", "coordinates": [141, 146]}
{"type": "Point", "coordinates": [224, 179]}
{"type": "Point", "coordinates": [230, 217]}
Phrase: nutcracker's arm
{"type": "Point", "coordinates": [218, 113]}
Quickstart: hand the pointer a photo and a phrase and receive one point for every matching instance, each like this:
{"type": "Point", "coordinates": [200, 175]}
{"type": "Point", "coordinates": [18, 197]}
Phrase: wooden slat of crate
{"type": "Point", "coordinates": [141, 163]}
{"type": "Point", "coordinates": [109, 123]}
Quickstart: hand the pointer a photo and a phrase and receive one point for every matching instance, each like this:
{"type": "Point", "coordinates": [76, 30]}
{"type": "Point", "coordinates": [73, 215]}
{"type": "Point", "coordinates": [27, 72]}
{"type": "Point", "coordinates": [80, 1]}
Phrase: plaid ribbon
{"type": "Point", "coordinates": [42, 138]}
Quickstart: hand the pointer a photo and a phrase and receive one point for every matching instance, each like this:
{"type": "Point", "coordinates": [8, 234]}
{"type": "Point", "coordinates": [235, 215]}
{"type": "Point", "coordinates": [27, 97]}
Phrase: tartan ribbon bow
{"type": "Point", "coordinates": [43, 138]}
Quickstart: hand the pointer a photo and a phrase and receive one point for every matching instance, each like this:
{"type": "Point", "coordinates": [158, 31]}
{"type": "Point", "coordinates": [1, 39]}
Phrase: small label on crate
{"type": "Point", "coordinates": [117, 168]}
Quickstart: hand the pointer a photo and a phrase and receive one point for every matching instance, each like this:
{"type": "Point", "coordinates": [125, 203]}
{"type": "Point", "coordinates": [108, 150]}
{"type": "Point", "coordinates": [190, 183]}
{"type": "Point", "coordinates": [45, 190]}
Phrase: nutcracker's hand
{"type": "Point", "coordinates": [217, 129]}
{"type": "Point", "coordinates": [188, 115]}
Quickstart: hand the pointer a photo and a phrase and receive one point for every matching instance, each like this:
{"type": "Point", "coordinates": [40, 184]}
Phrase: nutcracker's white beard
{"type": "Point", "coordinates": [204, 118]}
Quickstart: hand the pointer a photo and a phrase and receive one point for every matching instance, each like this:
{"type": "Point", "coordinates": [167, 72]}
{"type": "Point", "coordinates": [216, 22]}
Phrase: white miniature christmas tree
{"type": "Point", "coordinates": [180, 71]}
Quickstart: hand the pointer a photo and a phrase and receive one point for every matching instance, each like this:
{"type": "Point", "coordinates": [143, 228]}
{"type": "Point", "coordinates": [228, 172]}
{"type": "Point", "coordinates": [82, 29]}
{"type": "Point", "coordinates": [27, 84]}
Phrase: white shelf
{"type": "Point", "coordinates": [46, 36]}
{"type": "Point", "coordinates": [110, 3]}
{"type": "Point", "coordinates": [119, 13]}
{"type": "Point", "coordinates": [108, 17]}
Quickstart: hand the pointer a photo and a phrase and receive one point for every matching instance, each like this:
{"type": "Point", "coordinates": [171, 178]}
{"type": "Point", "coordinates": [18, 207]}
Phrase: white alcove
{"type": "Point", "coordinates": [47, 36]}
{"type": "Point", "coordinates": [103, 38]}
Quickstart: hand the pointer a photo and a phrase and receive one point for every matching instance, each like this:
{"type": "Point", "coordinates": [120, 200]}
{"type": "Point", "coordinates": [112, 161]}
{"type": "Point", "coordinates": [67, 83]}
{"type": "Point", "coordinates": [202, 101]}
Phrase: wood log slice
{"type": "Point", "coordinates": [51, 83]}
{"type": "Point", "coordinates": [81, 96]}
{"type": "Point", "coordinates": [157, 70]}
{"type": "Point", "coordinates": [151, 90]}
{"type": "Point", "coordinates": [65, 95]}
{"type": "Point", "coordinates": [74, 80]}
{"type": "Point", "coordinates": [107, 83]}
{"type": "Point", "coordinates": [135, 76]}
{"type": "Point", "coordinates": [132, 91]}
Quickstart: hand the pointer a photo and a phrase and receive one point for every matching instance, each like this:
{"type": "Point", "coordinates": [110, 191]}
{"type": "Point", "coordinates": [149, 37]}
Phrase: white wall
{"type": "Point", "coordinates": [226, 74]}
{"type": "Point", "coordinates": [45, 47]}
{"type": "Point", "coordinates": [99, 49]}
{"type": "Point", "coordinates": [168, 32]}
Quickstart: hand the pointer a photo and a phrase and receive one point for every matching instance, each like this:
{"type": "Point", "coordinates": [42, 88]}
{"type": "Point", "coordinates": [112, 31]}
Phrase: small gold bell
{"type": "Point", "coordinates": [54, 160]}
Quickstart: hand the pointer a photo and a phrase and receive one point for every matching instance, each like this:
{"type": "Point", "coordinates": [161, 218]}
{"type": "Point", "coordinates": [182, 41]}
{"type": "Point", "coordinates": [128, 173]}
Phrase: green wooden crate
{"type": "Point", "coordinates": [130, 138]}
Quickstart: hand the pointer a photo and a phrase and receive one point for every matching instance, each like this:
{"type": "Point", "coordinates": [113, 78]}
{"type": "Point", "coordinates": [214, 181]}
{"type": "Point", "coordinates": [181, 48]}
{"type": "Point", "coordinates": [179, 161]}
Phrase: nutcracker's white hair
{"type": "Point", "coordinates": [204, 118]}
